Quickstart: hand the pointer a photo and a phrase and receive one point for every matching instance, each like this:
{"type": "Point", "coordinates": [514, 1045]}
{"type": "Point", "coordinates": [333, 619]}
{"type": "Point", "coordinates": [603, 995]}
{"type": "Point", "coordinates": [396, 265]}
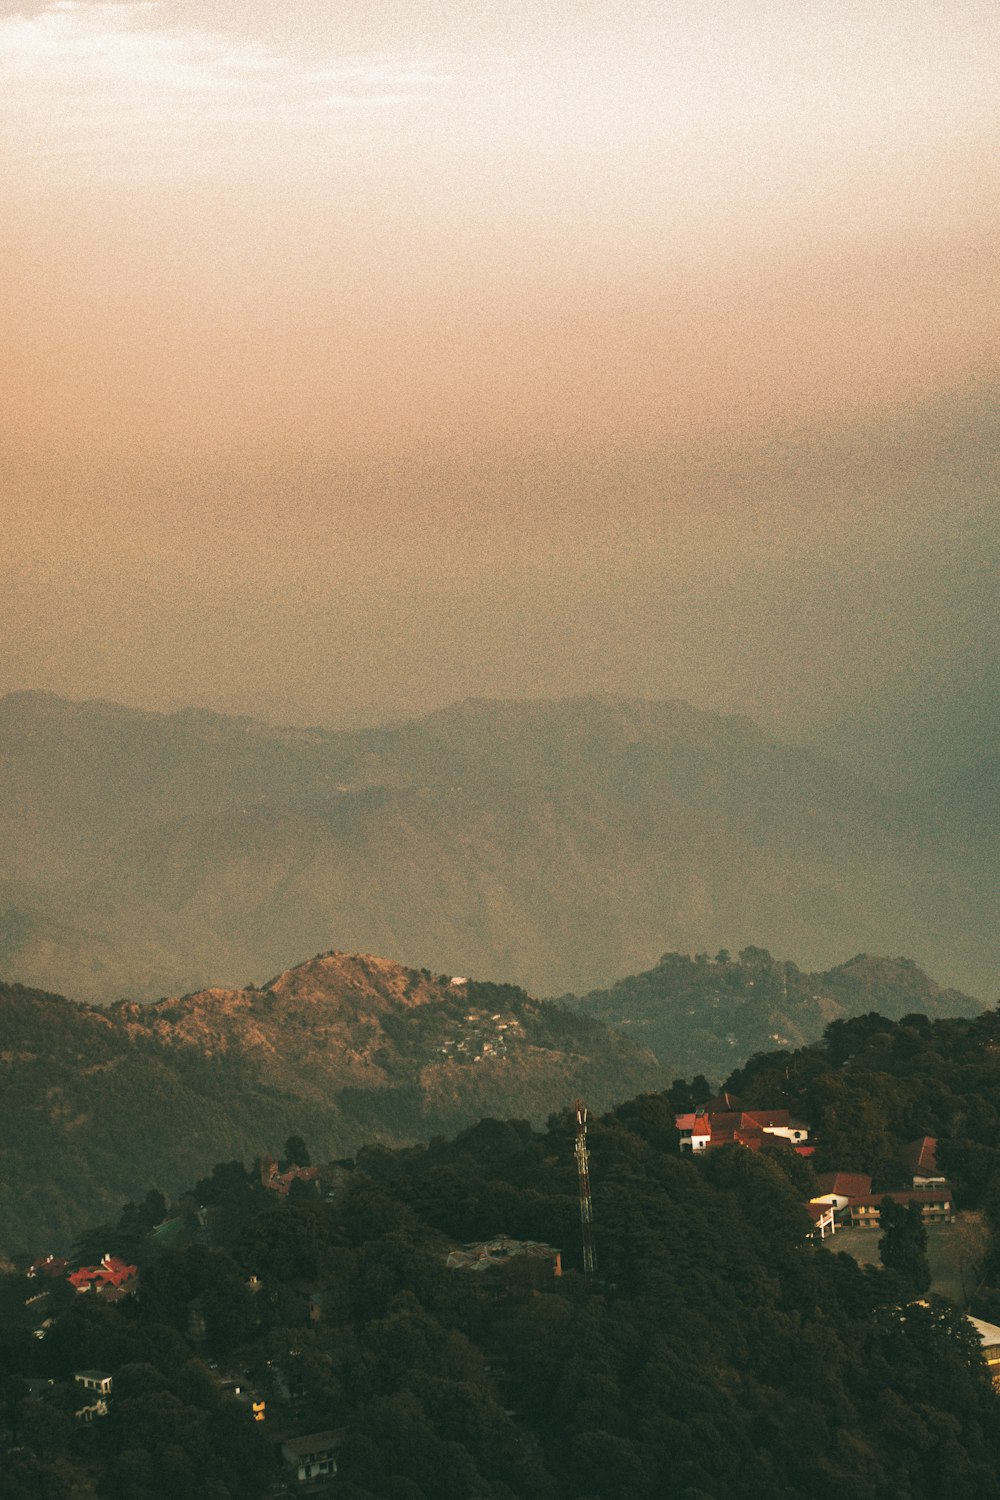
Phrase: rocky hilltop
{"type": "Point", "coordinates": [345, 1049]}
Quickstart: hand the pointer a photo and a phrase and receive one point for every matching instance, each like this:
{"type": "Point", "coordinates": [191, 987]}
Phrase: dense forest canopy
{"type": "Point", "coordinates": [717, 1350]}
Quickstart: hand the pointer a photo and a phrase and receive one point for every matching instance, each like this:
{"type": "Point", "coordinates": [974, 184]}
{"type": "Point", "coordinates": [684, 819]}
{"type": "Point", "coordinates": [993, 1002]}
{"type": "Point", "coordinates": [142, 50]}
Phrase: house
{"type": "Point", "coordinates": [919, 1161]}
{"type": "Point", "coordinates": [989, 1336]}
{"type": "Point", "coordinates": [838, 1188]}
{"type": "Point", "coordinates": [112, 1275]}
{"type": "Point", "coordinates": [281, 1182]}
{"type": "Point", "coordinates": [936, 1206]}
{"type": "Point", "coordinates": [708, 1127]}
{"type": "Point", "coordinates": [850, 1196]}
{"type": "Point", "coordinates": [53, 1266]}
{"type": "Point", "coordinates": [328, 1178]}
{"type": "Point", "coordinates": [314, 1455]}
{"type": "Point", "coordinates": [98, 1381]}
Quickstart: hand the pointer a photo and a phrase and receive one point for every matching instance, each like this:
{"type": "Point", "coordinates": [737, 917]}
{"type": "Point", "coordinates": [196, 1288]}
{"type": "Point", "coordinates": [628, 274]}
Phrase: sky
{"type": "Point", "coordinates": [356, 358]}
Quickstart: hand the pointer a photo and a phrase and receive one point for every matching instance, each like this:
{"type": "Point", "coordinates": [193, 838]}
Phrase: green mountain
{"type": "Point", "coordinates": [96, 1104]}
{"type": "Point", "coordinates": [706, 1015]}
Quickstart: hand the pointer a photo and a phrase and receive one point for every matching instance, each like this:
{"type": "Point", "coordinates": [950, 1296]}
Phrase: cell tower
{"type": "Point", "coordinates": [583, 1171]}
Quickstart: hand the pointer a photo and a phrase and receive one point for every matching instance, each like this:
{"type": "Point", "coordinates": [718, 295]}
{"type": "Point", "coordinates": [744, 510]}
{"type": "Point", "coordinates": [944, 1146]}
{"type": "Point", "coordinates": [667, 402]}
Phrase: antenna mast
{"type": "Point", "coordinates": [583, 1171]}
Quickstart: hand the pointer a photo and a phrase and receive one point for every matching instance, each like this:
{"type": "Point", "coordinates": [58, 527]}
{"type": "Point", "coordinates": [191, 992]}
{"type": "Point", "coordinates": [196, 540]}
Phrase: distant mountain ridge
{"type": "Point", "coordinates": [555, 844]}
{"type": "Point", "coordinates": [346, 1049]}
{"type": "Point", "coordinates": [708, 1015]}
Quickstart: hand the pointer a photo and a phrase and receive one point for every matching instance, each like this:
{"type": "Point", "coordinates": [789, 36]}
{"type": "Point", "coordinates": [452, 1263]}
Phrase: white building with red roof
{"type": "Point", "coordinates": [113, 1275]}
{"type": "Point", "coordinates": [707, 1127]}
{"type": "Point", "coordinates": [850, 1196]}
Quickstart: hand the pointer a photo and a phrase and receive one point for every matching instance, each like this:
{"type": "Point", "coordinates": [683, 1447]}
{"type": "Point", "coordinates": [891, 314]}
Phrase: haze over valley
{"type": "Point", "coordinates": [552, 844]}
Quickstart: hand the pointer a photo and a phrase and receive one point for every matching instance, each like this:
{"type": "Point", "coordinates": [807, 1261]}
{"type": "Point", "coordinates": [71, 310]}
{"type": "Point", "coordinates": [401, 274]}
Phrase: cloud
{"type": "Point", "coordinates": [129, 91]}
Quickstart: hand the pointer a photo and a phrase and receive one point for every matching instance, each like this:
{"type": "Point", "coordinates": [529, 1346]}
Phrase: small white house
{"type": "Point", "coordinates": [312, 1456]}
{"type": "Point", "coordinates": [98, 1383]}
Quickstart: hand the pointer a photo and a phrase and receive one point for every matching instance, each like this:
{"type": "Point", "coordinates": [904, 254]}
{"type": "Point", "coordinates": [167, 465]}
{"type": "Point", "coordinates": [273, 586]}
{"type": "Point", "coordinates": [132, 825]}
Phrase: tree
{"type": "Point", "coordinates": [26, 1477]}
{"type": "Point", "coordinates": [903, 1246]}
{"type": "Point", "coordinates": [970, 1240]}
{"type": "Point", "coordinates": [296, 1152]}
{"type": "Point", "coordinates": [300, 1190]}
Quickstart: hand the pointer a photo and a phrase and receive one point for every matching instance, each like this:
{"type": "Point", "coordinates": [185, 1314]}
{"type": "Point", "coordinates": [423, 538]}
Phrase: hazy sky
{"type": "Point", "coordinates": [359, 357]}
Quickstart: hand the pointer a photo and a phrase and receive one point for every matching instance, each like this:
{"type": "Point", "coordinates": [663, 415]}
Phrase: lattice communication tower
{"type": "Point", "coordinates": [583, 1172]}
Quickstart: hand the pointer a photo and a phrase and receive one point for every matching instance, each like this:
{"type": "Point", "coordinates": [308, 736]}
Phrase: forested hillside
{"type": "Point", "coordinates": [873, 1082]}
{"type": "Point", "coordinates": [716, 1351]}
{"type": "Point", "coordinates": [349, 1048]}
{"type": "Point", "coordinates": [705, 1015]}
{"type": "Point", "coordinates": [355, 1048]}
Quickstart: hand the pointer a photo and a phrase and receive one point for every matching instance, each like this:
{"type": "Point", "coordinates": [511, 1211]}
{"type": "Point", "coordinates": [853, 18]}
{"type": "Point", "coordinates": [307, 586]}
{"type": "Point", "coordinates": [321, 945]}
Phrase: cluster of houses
{"type": "Point", "coordinates": [111, 1279]}
{"type": "Point", "coordinates": [483, 1036]}
{"type": "Point", "coordinates": [311, 1457]}
{"type": "Point", "coordinates": [724, 1122]}
{"type": "Point", "coordinates": [844, 1200]}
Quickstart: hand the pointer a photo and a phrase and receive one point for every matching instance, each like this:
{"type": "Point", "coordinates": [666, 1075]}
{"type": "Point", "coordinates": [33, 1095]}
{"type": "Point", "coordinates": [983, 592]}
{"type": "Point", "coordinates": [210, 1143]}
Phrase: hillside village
{"type": "Point", "coordinates": [271, 1394]}
{"type": "Point", "coordinates": [326, 1325]}
{"type": "Point", "coordinates": [843, 1199]}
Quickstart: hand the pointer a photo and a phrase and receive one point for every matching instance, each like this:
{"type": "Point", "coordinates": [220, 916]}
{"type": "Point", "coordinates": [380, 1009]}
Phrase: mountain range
{"type": "Point", "coordinates": [555, 844]}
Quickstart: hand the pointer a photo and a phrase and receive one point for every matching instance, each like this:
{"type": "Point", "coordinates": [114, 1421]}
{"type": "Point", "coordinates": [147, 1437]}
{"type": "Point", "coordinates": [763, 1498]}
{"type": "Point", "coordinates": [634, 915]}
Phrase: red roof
{"type": "Point", "coordinates": [762, 1117]}
{"type": "Point", "coordinates": [723, 1102]}
{"type": "Point", "coordinates": [753, 1138]}
{"type": "Point", "coordinates": [912, 1195]}
{"type": "Point", "coordinates": [112, 1272]}
{"type": "Point", "coordinates": [920, 1157]}
{"type": "Point", "coordinates": [844, 1184]}
{"type": "Point", "coordinates": [745, 1126]}
{"type": "Point", "coordinates": [48, 1265]}
{"type": "Point", "coordinates": [114, 1292]}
